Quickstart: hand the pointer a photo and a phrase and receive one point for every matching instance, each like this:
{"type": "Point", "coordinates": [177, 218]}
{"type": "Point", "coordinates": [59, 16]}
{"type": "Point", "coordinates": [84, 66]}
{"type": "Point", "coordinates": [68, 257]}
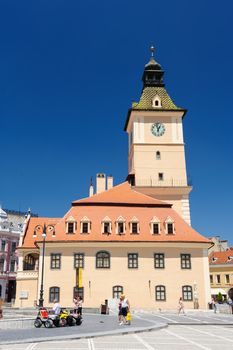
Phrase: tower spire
{"type": "Point", "coordinates": [153, 73]}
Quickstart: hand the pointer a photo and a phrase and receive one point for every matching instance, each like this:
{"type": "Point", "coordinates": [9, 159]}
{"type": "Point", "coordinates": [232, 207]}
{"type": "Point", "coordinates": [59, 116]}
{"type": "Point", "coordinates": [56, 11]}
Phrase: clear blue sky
{"type": "Point", "coordinates": [69, 71]}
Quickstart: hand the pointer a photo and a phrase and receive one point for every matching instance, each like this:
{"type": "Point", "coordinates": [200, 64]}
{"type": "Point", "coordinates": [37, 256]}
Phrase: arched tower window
{"type": "Point", "coordinates": [158, 155]}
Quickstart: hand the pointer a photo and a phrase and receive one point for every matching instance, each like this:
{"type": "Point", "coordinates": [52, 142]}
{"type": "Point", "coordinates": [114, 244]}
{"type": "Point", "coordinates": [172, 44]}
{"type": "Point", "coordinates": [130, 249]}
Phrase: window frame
{"type": "Point", "coordinates": [103, 259]}
{"type": "Point", "coordinates": [54, 258]}
{"type": "Point", "coordinates": [160, 292]}
{"type": "Point", "coordinates": [158, 155]}
{"type": "Point", "coordinates": [186, 259]}
{"type": "Point", "coordinates": [218, 277]}
{"type": "Point", "coordinates": [70, 232]}
{"type": "Point", "coordinates": [227, 278]}
{"type": "Point", "coordinates": [79, 259]}
{"type": "Point", "coordinates": [160, 258]}
{"type": "Point", "coordinates": [160, 176]}
{"type": "Point", "coordinates": [211, 279]}
{"type": "Point", "coordinates": [187, 293]}
{"type": "Point", "coordinates": [117, 291]}
{"type": "Point", "coordinates": [55, 294]}
{"type": "Point", "coordinates": [133, 260]}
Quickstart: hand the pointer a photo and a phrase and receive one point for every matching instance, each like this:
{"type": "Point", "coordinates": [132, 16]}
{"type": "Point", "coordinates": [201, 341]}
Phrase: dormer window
{"type": "Point", "coordinates": [71, 225]}
{"type": "Point", "coordinates": [156, 102]}
{"type": "Point", "coordinates": [106, 225]}
{"type": "Point", "coordinates": [120, 226]}
{"type": "Point", "coordinates": [155, 226]}
{"type": "Point", "coordinates": [134, 226]}
{"type": "Point", "coordinates": [85, 225]}
{"type": "Point", "coordinates": [169, 222]}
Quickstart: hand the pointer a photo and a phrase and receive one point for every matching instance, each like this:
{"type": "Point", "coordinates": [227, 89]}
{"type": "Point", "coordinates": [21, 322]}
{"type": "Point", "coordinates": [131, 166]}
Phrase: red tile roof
{"type": "Point", "coordinates": [118, 201]}
{"type": "Point", "coordinates": [219, 258]}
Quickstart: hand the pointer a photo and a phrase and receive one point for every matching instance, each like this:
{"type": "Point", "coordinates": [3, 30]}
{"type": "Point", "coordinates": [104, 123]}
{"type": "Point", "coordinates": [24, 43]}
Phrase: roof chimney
{"type": "Point", "coordinates": [91, 189]}
{"type": "Point", "coordinates": [109, 182]}
{"type": "Point", "coordinates": [100, 183]}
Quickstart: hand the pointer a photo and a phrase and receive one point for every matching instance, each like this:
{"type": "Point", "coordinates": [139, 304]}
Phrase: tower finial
{"type": "Point", "coordinates": [152, 50]}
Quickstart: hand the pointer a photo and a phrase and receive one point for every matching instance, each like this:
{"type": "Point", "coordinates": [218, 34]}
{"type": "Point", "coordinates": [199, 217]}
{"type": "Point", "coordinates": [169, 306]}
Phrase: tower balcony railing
{"type": "Point", "coordinates": [162, 183]}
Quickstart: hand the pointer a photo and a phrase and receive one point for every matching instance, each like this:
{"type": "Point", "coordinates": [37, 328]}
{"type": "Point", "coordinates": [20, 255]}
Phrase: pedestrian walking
{"type": "Point", "coordinates": [181, 306]}
{"type": "Point", "coordinates": [80, 306]}
{"type": "Point", "coordinates": [214, 304]}
{"type": "Point", "coordinates": [120, 310]}
{"type": "Point", "coordinates": [125, 308]}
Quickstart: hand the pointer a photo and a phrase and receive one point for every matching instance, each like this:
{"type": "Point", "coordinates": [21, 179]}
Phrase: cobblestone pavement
{"type": "Point", "coordinates": [175, 337]}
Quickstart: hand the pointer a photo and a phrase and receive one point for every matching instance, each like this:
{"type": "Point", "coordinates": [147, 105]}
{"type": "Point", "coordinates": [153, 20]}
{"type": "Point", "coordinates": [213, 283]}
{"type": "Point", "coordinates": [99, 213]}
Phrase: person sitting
{"type": "Point", "coordinates": [56, 307]}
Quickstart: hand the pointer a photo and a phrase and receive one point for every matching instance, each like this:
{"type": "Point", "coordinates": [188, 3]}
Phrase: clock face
{"type": "Point", "coordinates": [158, 129]}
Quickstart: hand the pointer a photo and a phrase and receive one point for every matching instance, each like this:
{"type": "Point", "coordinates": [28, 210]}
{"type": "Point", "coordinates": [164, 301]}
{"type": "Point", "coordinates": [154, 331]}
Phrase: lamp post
{"type": "Point", "coordinates": [41, 300]}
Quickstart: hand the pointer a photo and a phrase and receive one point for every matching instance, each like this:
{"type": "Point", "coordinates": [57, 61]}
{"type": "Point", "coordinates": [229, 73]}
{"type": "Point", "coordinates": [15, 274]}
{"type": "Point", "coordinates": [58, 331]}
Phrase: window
{"type": "Point", "coordinates": [132, 260]}
{"type": "Point", "coordinates": [29, 262]}
{"type": "Point", "coordinates": [156, 101]}
{"type": "Point", "coordinates": [187, 293]}
{"type": "Point", "coordinates": [78, 292]}
{"type": "Point", "coordinates": [85, 225]}
{"type": "Point", "coordinates": [159, 261]}
{"type": "Point", "coordinates": [106, 227]}
{"type": "Point", "coordinates": [160, 176]}
{"type": "Point", "coordinates": [117, 291]}
{"type": "Point", "coordinates": [134, 225]}
{"type": "Point", "coordinates": [120, 225]}
{"type": "Point", "coordinates": [227, 279]}
{"type": "Point", "coordinates": [3, 245]}
{"type": "Point", "coordinates": [102, 260]}
{"type": "Point", "coordinates": [185, 261]}
{"type": "Point", "coordinates": [211, 278]}
{"type": "Point", "coordinates": [12, 265]}
{"type": "Point", "coordinates": [158, 155]}
{"type": "Point", "coordinates": [170, 228]}
{"type": "Point", "coordinates": [218, 279]}
{"type": "Point", "coordinates": [54, 294]}
{"type": "Point", "coordinates": [1, 264]}
{"type": "Point", "coordinates": [155, 228]}
{"type": "Point", "coordinates": [70, 227]}
{"type": "Point", "coordinates": [13, 247]}
{"type": "Point", "coordinates": [78, 260]}
{"type": "Point", "coordinates": [55, 261]}
{"type": "Point", "coordinates": [160, 293]}
{"type": "Point", "coordinates": [0, 291]}
{"type": "Point", "coordinates": [169, 224]}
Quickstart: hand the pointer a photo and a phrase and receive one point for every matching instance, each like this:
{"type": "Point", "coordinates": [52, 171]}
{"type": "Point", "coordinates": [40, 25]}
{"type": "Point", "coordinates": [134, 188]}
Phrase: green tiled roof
{"type": "Point", "coordinates": [147, 95]}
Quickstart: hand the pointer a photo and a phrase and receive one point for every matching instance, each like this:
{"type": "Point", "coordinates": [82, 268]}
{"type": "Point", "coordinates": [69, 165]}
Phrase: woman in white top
{"type": "Point", "coordinates": [125, 307]}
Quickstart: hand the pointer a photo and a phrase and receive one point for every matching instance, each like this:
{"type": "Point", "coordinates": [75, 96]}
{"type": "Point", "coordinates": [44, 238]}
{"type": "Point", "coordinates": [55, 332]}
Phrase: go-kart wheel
{"type": "Point", "coordinates": [70, 321]}
{"type": "Point", "coordinates": [48, 323]}
{"type": "Point", "coordinates": [62, 322]}
{"type": "Point", "coordinates": [37, 323]}
{"type": "Point", "coordinates": [78, 321]}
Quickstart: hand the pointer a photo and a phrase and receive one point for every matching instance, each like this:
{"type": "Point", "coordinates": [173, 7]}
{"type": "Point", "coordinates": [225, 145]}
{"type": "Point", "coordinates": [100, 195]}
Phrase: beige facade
{"type": "Point", "coordinates": [138, 283]}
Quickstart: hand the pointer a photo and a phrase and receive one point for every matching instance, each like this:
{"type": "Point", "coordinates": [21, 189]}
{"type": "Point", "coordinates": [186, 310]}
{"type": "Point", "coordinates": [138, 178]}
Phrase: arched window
{"type": "Point", "coordinates": [158, 155]}
{"type": "Point", "coordinates": [102, 260]}
{"type": "Point", "coordinates": [187, 293]}
{"type": "Point", "coordinates": [54, 294]}
{"type": "Point", "coordinates": [160, 293]}
{"type": "Point", "coordinates": [117, 291]}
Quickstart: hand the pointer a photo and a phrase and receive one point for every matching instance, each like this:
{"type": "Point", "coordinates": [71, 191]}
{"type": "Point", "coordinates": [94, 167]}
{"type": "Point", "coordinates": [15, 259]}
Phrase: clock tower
{"type": "Point", "coordinates": [156, 156]}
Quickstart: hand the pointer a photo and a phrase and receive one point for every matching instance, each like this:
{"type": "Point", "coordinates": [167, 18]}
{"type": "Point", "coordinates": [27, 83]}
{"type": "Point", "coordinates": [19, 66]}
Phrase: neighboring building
{"type": "Point", "coordinates": [10, 229]}
{"type": "Point", "coordinates": [221, 273]}
{"type": "Point", "coordinates": [124, 239]}
{"type": "Point", "coordinates": [219, 245]}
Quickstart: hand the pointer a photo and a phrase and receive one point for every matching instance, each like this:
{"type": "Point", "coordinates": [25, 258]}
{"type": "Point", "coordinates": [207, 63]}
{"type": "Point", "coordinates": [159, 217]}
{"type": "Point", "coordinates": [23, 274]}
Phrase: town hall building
{"type": "Point", "coordinates": [134, 238]}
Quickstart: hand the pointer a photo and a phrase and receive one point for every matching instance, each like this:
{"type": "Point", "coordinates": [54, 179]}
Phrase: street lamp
{"type": "Point", "coordinates": [41, 300]}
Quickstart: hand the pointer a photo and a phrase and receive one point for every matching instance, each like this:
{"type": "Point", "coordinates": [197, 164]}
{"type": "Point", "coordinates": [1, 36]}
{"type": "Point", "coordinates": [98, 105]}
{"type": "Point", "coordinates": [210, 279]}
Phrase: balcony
{"type": "Point", "coordinates": [163, 183]}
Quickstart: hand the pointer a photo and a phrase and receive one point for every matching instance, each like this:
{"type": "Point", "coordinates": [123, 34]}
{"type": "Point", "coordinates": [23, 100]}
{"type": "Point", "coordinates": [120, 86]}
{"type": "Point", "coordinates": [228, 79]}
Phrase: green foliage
{"type": "Point", "coordinates": [219, 297]}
